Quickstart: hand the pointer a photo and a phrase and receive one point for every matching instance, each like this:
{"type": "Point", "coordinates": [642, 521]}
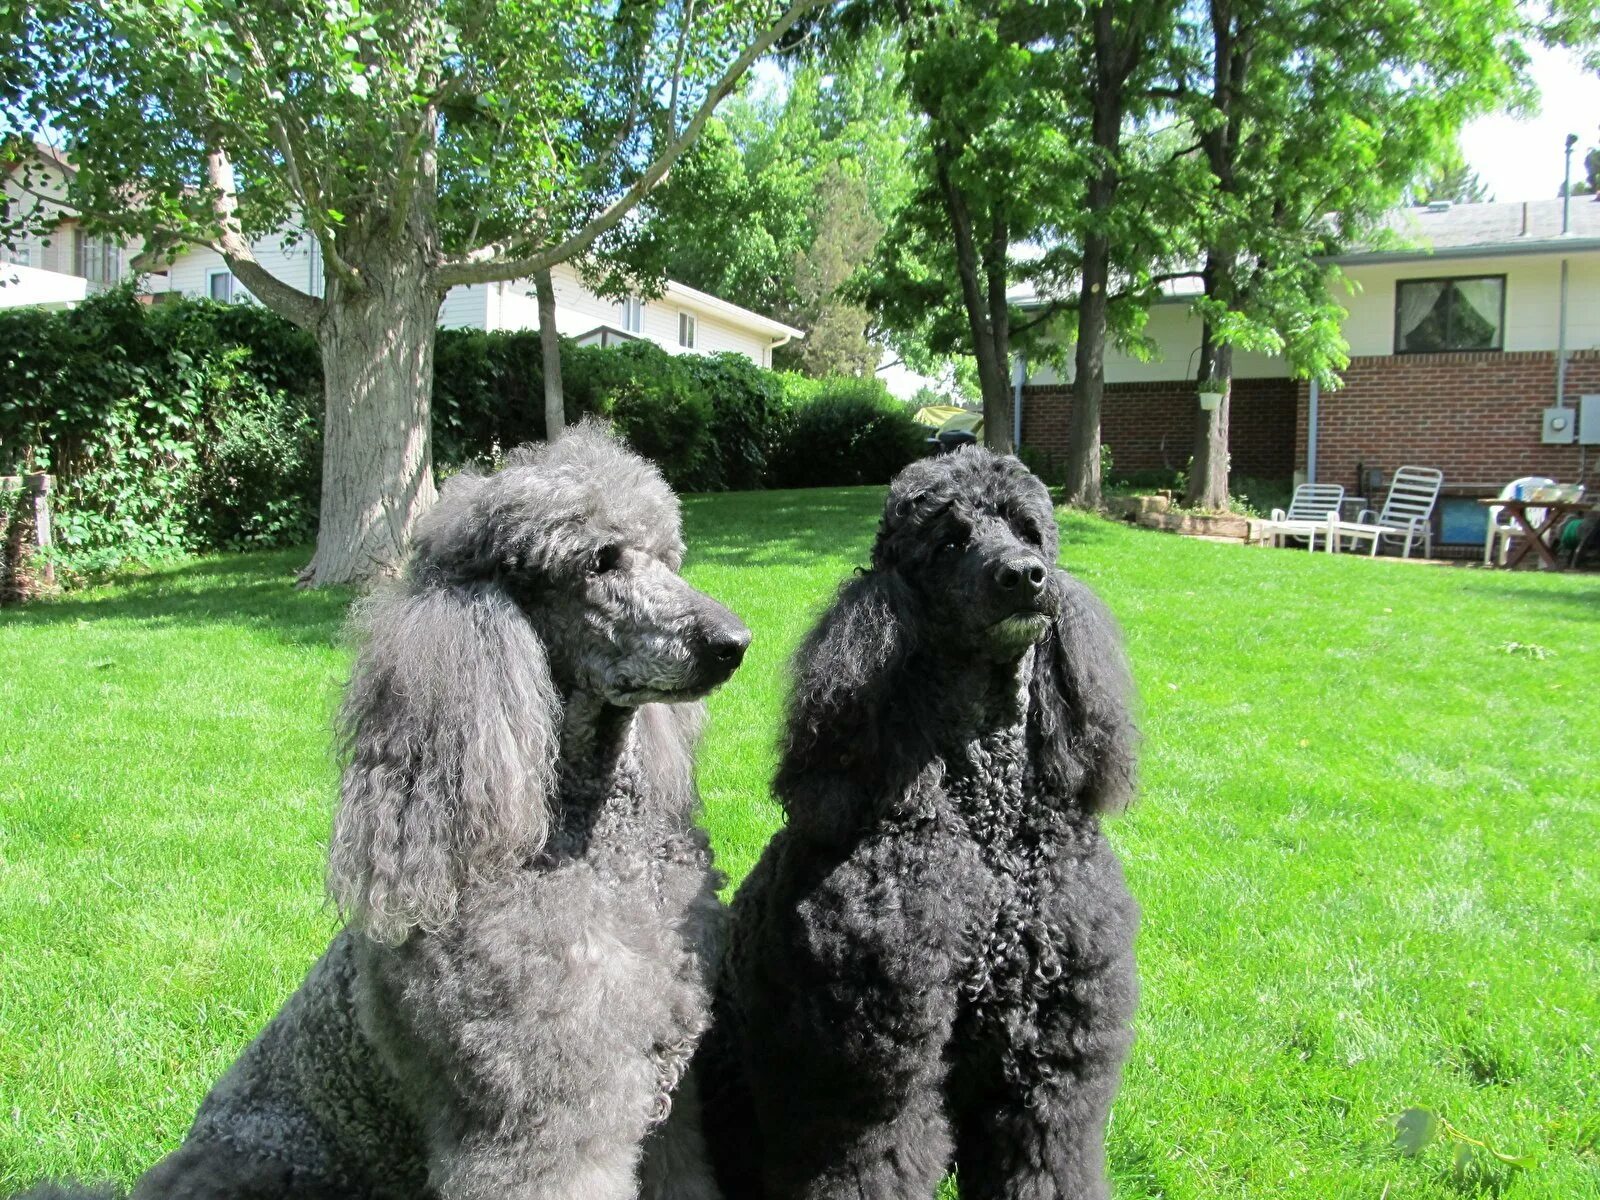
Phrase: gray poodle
{"type": "Point", "coordinates": [533, 912]}
{"type": "Point", "coordinates": [932, 964]}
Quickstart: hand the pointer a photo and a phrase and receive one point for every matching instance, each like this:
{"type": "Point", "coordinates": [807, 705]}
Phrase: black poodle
{"type": "Point", "coordinates": [932, 964]}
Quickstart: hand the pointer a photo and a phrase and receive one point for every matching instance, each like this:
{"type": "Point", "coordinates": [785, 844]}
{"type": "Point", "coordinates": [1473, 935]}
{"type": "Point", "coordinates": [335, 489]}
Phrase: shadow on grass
{"type": "Point", "coordinates": [255, 590]}
{"type": "Point", "coordinates": [782, 529]}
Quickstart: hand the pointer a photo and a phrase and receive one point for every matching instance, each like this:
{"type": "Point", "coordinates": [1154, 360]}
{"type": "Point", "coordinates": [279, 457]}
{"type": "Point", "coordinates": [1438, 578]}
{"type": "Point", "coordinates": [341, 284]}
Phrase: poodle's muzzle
{"type": "Point", "coordinates": [1019, 594]}
{"type": "Point", "coordinates": [721, 640]}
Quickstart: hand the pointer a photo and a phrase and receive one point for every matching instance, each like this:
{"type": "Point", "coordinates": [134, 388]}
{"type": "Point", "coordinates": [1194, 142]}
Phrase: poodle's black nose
{"type": "Point", "coordinates": [1024, 576]}
{"type": "Point", "coordinates": [728, 643]}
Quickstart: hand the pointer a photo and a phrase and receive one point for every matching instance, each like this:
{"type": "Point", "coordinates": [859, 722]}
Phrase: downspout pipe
{"type": "Point", "coordinates": [1019, 373]}
{"type": "Point", "coordinates": [1561, 322]}
{"type": "Point", "coordinates": [1315, 394]}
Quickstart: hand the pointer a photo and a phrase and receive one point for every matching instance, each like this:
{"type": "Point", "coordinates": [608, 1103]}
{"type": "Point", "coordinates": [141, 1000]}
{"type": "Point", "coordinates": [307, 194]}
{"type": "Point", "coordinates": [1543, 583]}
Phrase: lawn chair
{"type": "Point", "coordinates": [1501, 530]}
{"type": "Point", "coordinates": [1406, 517]}
{"type": "Point", "coordinates": [1308, 513]}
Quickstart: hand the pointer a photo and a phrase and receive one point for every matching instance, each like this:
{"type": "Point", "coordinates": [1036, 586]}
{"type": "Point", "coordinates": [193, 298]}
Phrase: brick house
{"type": "Point", "coordinates": [1453, 362]}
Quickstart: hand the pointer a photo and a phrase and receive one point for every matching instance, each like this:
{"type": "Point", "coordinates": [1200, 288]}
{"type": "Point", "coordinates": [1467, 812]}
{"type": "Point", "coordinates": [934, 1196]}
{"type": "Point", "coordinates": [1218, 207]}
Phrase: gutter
{"type": "Point", "coordinates": [1019, 373]}
{"type": "Point", "coordinates": [1564, 245]}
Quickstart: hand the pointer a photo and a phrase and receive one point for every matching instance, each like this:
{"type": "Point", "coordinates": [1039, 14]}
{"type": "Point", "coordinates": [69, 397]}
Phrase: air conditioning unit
{"type": "Point", "coordinates": [1589, 420]}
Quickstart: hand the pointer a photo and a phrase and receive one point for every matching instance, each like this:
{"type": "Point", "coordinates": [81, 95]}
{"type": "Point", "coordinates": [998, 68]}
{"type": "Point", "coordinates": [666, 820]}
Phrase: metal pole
{"type": "Point", "coordinates": [1561, 342]}
{"type": "Point", "coordinates": [1019, 375]}
{"type": "Point", "coordinates": [1566, 188]}
{"type": "Point", "coordinates": [1311, 432]}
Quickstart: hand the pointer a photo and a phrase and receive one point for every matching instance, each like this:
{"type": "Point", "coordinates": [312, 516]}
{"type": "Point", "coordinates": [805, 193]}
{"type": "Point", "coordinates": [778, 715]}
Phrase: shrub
{"type": "Point", "coordinates": [187, 425]}
{"type": "Point", "coordinates": [747, 404]}
{"type": "Point", "coordinates": [839, 431]}
{"type": "Point", "coordinates": [656, 403]}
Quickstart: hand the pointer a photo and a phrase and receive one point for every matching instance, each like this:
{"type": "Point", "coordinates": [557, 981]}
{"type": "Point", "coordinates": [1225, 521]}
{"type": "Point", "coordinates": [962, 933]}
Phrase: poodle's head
{"type": "Point", "coordinates": [963, 585]}
{"type": "Point", "coordinates": [585, 538]}
{"type": "Point", "coordinates": [972, 536]}
{"type": "Point", "coordinates": [551, 580]}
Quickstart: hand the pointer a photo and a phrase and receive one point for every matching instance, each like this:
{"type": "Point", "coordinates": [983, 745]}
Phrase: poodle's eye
{"type": "Point", "coordinates": [606, 559]}
{"type": "Point", "coordinates": [1032, 535]}
{"type": "Point", "coordinates": [955, 539]}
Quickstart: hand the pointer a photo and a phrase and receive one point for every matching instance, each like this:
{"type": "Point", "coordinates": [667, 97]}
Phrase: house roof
{"type": "Point", "coordinates": [1439, 231]}
{"type": "Point", "coordinates": [1446, 227]}
{"type": "Point", "coordinates": [695, 298]}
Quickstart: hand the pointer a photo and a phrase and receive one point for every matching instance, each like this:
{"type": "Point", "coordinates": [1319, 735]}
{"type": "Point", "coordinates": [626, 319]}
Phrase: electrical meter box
{"type": "Point", "coordinates": [1589, 420]}
{"type": "Point", "coordinates": [1560, 426]}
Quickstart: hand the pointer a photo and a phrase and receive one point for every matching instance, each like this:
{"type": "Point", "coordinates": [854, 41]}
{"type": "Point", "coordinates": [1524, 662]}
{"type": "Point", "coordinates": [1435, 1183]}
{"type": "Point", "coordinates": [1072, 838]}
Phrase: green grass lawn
{"type": "Point", "coordinates": [1366, 846]}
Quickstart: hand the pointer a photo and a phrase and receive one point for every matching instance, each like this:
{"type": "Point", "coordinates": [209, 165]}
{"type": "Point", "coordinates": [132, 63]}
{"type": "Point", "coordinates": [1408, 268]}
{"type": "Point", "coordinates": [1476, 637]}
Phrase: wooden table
{"type": "Point", "coordinates": [1533, 536]}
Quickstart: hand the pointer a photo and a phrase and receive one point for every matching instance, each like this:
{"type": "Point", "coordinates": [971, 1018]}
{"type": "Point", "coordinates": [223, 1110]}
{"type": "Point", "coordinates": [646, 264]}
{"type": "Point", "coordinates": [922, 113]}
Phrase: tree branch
{"type": "Point", "coordinates": [277, 295]}
{"type": "Point", "coordinates": [490, 263]}
{"type": "Point", "coordinates": [312, 206]}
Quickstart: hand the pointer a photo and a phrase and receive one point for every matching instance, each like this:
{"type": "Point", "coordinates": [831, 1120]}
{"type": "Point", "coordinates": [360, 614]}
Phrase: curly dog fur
{"type": "Point", "coordinates": [533, 911]}
{"type": "Point", "coordinates": [932, 963]}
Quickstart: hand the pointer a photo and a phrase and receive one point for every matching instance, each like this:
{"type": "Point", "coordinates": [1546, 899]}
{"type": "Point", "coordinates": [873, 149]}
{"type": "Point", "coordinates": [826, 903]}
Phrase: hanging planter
{"type": "Point", "coordinates": [1210, 401]}
{"type": "Point", "coordinates": [1211, 392]}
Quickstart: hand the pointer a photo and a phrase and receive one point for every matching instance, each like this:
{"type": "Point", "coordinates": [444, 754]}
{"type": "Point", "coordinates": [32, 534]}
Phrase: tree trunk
{"type": "Point", "coordinates": [555, 410]}
{"type": "Point", "coordinates": [1089, 381]}
{"type": "Point", "coordinates": [1089, 375]}
{"type": "Point", "coordinates": [1208, 470]}
{"type": "Point", "coordinates": [987, 313]}
{"type": "Point", "coordinates": [377, 460]}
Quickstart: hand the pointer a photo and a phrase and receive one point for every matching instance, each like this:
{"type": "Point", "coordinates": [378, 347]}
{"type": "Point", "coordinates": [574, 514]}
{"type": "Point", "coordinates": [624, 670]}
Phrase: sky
{"type": "Point", "coordinates": [1521, 158]}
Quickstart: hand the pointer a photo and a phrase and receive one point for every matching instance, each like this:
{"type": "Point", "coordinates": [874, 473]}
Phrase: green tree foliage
{"type": "Point", "coordinates": [792, 176]}
{"type": "Point", "coordinates": [1450, 178]}
{"type": "Point", "coordinates": [846, 235]}
{"type": "Point", "coordinates": [421, 146]}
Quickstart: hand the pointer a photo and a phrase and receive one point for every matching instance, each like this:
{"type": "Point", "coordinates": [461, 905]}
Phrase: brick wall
{"type": "Point", "coordinates": [1474, 416]}
{"type": "Point", "coordinates": [1150, 426]}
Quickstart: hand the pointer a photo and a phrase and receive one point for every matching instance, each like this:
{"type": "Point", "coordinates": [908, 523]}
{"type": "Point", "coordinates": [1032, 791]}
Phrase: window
{"type": "Point", "coordinates": [96, 259]}
{"type": "Point", "coordinates": [219, 286]}
{"type": "Point", "coordinates": [686, 330]}
{"type": "Point", "coordinates": [1432, 315]}
{"type": "Point", "coordinates": [633, 314]}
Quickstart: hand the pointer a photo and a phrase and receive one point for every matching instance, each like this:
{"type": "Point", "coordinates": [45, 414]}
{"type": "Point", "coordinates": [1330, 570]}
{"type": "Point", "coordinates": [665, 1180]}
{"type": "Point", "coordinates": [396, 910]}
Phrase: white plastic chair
{"type": "Point", "coordinates": [1308, 513]}
{"type": "Point", "coordinates": [1497, 538]}
{"type": "Point", "coordinates": [1407, 514]}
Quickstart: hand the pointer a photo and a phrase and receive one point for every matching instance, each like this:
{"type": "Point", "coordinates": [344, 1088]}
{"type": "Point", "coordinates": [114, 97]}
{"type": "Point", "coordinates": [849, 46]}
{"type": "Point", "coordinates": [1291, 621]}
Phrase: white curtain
{"type": "Point", "coordinates": [1483, 297]}
{"type": "Point", "coordinates": [1417, 301]}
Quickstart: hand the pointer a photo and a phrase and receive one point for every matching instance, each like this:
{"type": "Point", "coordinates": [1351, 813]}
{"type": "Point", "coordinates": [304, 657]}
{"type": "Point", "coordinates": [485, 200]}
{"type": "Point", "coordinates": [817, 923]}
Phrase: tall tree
{"type": "Point", "coordinates": [422, 146]}
{"type": "Point", "coordinates": [1312, 116]}
{"type": "Point", "coordinates": [986, 157]}
{"type": "Point", "coordinates": [847, 234]}
{"type": "Point", "coordinates": [1124, 53]}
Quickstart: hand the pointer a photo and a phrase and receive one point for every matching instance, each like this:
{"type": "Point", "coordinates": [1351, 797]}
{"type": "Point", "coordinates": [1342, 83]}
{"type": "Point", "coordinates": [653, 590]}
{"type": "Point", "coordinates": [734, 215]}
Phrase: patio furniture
{"type": "Point", "coordinates": [1406, 517]}
{"type": "Point", "coordinates": [1534, 532]}
{"type": "Point", "coordinates": [1497, 537]}
{"type": "Point", "coordinates": [1308, 513]}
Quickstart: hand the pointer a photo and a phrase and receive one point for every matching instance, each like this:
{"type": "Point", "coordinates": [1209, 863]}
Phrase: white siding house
{"type": "Point", "coordinates": [682, 320]}
{"type": "Point", "coordinates": [59, 269]}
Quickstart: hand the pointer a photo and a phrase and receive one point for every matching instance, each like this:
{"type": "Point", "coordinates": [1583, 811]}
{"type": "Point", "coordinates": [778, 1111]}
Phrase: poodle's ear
{"type": "Point", "coordinates": [1080, 717]}
{"type": "Point", "coordinates": [844, 673]}
{"type": "Point", "coordinates": [450, 734]}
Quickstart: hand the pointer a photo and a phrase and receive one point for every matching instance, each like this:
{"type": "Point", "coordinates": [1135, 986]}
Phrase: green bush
{"type": "Point", "coordinates": [654, 401]}
{"type": "Point", "coordinates": [186, 425]}
{"type": "Point", "coordinates": [747, 405]}
{"type": "Point", "coordinates": [840, 431]}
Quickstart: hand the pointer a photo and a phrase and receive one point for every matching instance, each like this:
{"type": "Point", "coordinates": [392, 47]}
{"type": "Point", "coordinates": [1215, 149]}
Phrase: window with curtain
{"type": "Point", "coordinates": [687, 330]}
{"type": "Point", "coordinates": [1435, 315]}
{"type": "Point", "coordinates": [219, 286]}
{"type": "Point", "coordinates": [633, 314]}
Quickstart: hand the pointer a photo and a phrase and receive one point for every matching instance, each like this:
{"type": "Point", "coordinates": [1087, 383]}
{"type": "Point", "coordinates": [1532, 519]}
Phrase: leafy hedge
{"type": "Point", "coordinates": [187, 426]}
